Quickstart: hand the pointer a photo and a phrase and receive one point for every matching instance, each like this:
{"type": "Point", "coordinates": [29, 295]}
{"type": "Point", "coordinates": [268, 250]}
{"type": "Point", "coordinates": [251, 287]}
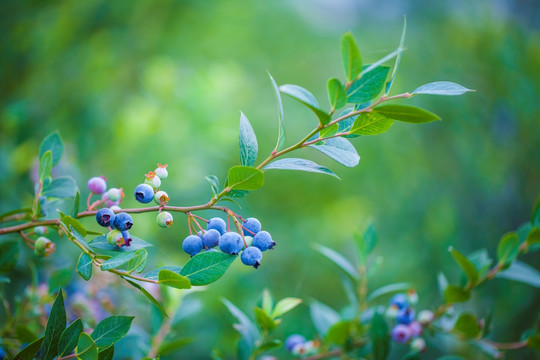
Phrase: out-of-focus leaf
{"type": "Point", "coordinates": [30, 351]}
{"type": "Point", "coordinates": [388, 289]}
{"type": "Point", "coordinates": [147, 295]}
{"type": "Point", "coordinates": [281, 127]}
{"type": "Point", "coordinates": [265, 322]}
{"type": "Point", "coordinates": [464, 263]}
{"type": "Point", "coordinates": [53, 143]}
{"type": "Point", "coordinates": [521, 272]}
{"type": "Point", "coordinates": [246, 328]}
{"type": "Point", "coordinates": [214, 184]}
{"type": "Point", "coordinates": [453, 294]}
{"type": "Point", "coordinates": [339, 332]}
{"type": "Point", "coordinates": [507, 250]}
{"type": "Point", "coordinates": [339, 260]}
{"type": "Point", "coordinates": [467, 326]}
{"type": "Point", "coordinates": [62, 187]}
{"type": "Point", "coordinates": [378, 333]}
{"type": "Point", "coordinates": [285, 305]}
{"type": "Point", "coordinates": [400, 50]}
{"type": "Point", "coordinates": [323, 316]}
{"type": "Point", "coordinates": [45, 166]}
{"type": "Point", "coordinates": [9, 254]}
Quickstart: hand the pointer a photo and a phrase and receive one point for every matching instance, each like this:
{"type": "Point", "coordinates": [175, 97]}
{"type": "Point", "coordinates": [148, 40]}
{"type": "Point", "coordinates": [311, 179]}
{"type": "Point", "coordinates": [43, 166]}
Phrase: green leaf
{"type": "Point", "coordinates": [206, 267]}
{"type": "Point", "coordinates": [62, 187]}
{"type": "Point", "coordinates": [507, 250]}
{"type": "Point", "coordinates": [101, 243]}
{"type": "Point", "coordinates": [281, 128]}
{"type": "Point", "coordinates": [388, 289]}
{"type": "Point", "coordinates": [27, 212]}
{"type": "Point", "coordinates": [339, 260]}
{"type": "Point", "coordinates": [245, 178]}
{"type": "Point", "coordinates": [329, 131]}
{"type": "Point", "coordinates": [106, 354]}
{"type": "Point", "coordinates": [521, 272]}
{"type": "Point", "coordinates": [154, 274]}
{"type": "Point", "coordinates": [110, 330]}
{"type": "Point", "coordinates": [336, 94]}
{"type": "Point", "coordinates": [84, 266]}
{"type": "Point", "coordinates": [60, 278]}
{"type": "Point", "coordinates": [30, 351]}
{"type": "Point", "coordinates": [168, 347]}
{"type": "Point", "coordinates": [69, 221]}
{"type": "Point", "coordinates": [339, 332]}
{"type": "Point", "coordinates": [535, 216]}
{"type": "Point", "coordinates": [285, 305]}
{"type": "Point", "coordinates": [76, 205]}
{"type": "Point", "coordinates": [441, 88]}
{"type": "Point", "coordinates": [9, 254]}
{"type": "Point", "coordinates": [350, 55]}
{"type": "Point", "coordinates": [378, 333]}
{"type": "Point", "coordinates": [147, 295]}
{"type": "Point", "coordinates": [322, 316]}
{"type": "Point", "coordinates": [533, 342]}
{"type": "Point", "coordinates": [481, 261]}
{"type": "Point", "coordinates": [368, 86]}
{"type": "Point", "coordinates": [267, 302]}
{"type": "Point", "coordinates": [340, 150]}
{"type": "Point", "coordinates": [467, 267]}
{"type": "Point", "coordinates": [265, 322]}
{"type": "Point", "coordinates": [246, 328]}
{"type": "Point", "coordinates": [118, 260]}
{"type": "Point", "coordinates": [69, 338]}
{"type": "Point", "coordinates": [376, 64]}
{"type": "Point", "coordinates": [467, 326]}
{"type": "Point", "coordinates": [269, 345]}
{"type": "Point", "coordinates": [45, 166]}
{"type": "Point", "coordinates": [305, 97]}
{"type": "Point", "coordinates": [400, 50]}
{"type": "Point", "coordinates": [214, 184]}
{"type": "Point", "coordinates": [533, 237]}
{"type": "Point", "coordinates": [406, 113]}
{"type": "Point", "coordinates": [299, 164]}
{"type": "Point", "coordinates": [55, 327]}
{"type": "Point", "coordinates": [138, 263]}
{"type": "Point", "coordinates": [86, 348]}
{"type": "Point", "coordinates": [371, 123]}
{"type": "Point", "coordinates": [248, 142]}
{"type": "Point", "coordinates": [53, 143]}
{"type": "Point", "coordinates": [454, 294]}
{"type": "Point", "coordinates": [173, 279]}
{"type": "Point", "coordinates": [365, 243]}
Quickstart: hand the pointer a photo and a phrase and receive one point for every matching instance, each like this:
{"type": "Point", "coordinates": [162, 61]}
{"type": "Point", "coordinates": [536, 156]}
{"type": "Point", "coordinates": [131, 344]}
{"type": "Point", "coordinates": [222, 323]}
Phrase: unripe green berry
{"type": "Point", "coordinates": [161, 171]}
{"type": "Point", "coordinates": [40, 230]}
{"type": "Point", "coordinates": [44, 247]}
{"type": "Point", "coordinates": [161, 198]}
{"type": "Point", "coordinates": [115, 238]}
{"type": "Point", "coordinates": [164, 219]}
{"type": "Point", "coordinates": [115, 194]}
{"type": "Point", "coordinates": [249, 241]}
{"type": "Point", "coordinates": [152, 180]}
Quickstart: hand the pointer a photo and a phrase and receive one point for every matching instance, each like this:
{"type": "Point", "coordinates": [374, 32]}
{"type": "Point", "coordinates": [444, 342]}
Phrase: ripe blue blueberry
{"type": "Point", "coordinates": [192, 245]}
{"type": "Point", "coordinates": [263, 241]}
{"type": "Point", "coordinates": [231, 243]}
{"type": "Point", "coordinates": [161, 171]}
{"type": "Point", "coordinates": [114, 237]}
{"type": "Point", "coordinates": [400, 300]}
{"type": "Point", "coordinates": [123, 221]}
{"type": "Point", "coordinates": [97, 185]}
{"type": "Point", "coordinates": [218, 224]}
{"type": "Point", "coordinates": [405, 316]}
{"type": "Point", "coordinates": [251, 226]}
{"type": "Point", "coordinates": [144, 193]}
{"type": "Point", "coordinates": [401, 333]}
{"type": "Point", "coordinates": [164, 219]}
{"type": "Point", "coordinates": [211, 238]}
{"type": "Point", "coordinates": [293, 340]}
{"type": "Point", "coordinates": [105, 217]}
{"type": "Point", "coordinates": [251, 256]}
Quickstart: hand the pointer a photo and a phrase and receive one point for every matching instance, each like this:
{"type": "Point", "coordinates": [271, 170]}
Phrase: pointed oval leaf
{"type": "Point", "coordinates": [86, 348]}
{"type": "Point", "coordinates": [55, 327]}
{"type": "Point", "coordinates": [305, 97]}
{"type": "Point", "coordinates": [248, 142]}
{"type": "Point", "coordinates": [62, 187]}
{"type": "Point", "coordinates": [340, 150]}
{"type": "Point", "coordinates": [246, 327]}
{"type": "Point", "coordinates": [322, 316]}
{"type": "Point", "coordinates": [441, 88]}
{"type": "Point", "coordinates": [508, 248]}
{"type": "Point", "coordinates": [388, 289]}
{"type": "Point", "coordinates": [406, 113]}
{"type": "Point", "coordinates": [69, 338]}
{"type": "Point", "coordinates": [207, 267]}
{"type": "Point", "coordinates": [468, 268]}
{"type": "Point", "coordinates": [368, 86]}
{"type": "Point", "coordinates": [453, 294]}
{"type": "Point", "coordinates": [84, 266]}
{"type": "Point", "coordinates": [371, 123]}
{"type": "Point", "coordinates": [30, 351]}
{"type": "Point", "coordinates": [281, 126]}
{"type": "Point", "coordinates": [154, 274]}
{"type": "Point", "coordinates": [521, 272]}
{"type": "Point", "coordinates": [173, 279]}
{"type": "Point", "coordinates": [299, 164]}
{"type": "Point", "coordinates": [339, 260]}
{"type": "Point", "coordinates": [118, 260]}
{"type": "Point", "coordinates": [53, 143]}
{"type": "Point", "coordinates": [285, 305]}
{"type": "Point", "coordinates": [265, 322]}
{"type": "Point", "coordinates": [533, 237]}
{"type": "Point", "coordinates": [339, 332]}
{"type": "Point", "coordinates": [245, 178]}
{"type": "Point", "coordinates": [467, 326]}
{"type": "Point", "coordinates": [111, 330]}
{"type": "Point", "coordinates": [400, 50]}
{"type": "Point", "coordinates": [45, 165]}
{"type": "Point", "coordinates": [336, 94]}
{"type": "Point", "coordinates": [147, 295]}
{"type": "Point", "coordinates": [350, 56]}
{"type": "Point", "coordinates": [378, 333]}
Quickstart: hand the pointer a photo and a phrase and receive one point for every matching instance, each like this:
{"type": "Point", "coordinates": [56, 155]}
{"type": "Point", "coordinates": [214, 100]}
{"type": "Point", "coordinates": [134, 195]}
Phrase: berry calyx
{"type": "Point", "coordinates": [44, 247]}
{"type": "Point", "coordinates": [123, 221]}
{"type": "Point", "coordinates": [105, 217]}
{"type": "Point", "coordinates": [152, 180]}
{"type": "Point", "coordinates": [164, 219]}
{"type": "Point", "coordinates": [263, 241]}
{"type": "Point", "coordinates": [231, 243]}
{"type": "Point", "coordinates": [161, 197]}
{"type": "Point", "coordinates": [114, 237]}
{"type": "Point", "coordinates": [218, 224]}
{"type": "Point", "coordinates": [161, 171]}
{"type": "Point", "coordinates": [97, 185]}
{"type": "Point", "coordinates": [192, 245]}
{"type": "Point", "coordinates": [251, 256]}
{"type": "Point", "coordinates": [144, 193]}
{"type": "Point", "coordinates": [211, 238]}
{"type": "Point", "coordinates": [251, 226]}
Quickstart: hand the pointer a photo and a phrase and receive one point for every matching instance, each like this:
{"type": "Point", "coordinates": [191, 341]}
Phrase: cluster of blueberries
{"type": "Point", "coordinates": [111, 198]}
{"type": "Point", "coordinates": [118, 223]}
{"type": "Point", "coordinates": [149, 190]}
{"type": "Point", "coordinates": [408, 327]}
{"type": "Point", "coordinates": [253, 242]}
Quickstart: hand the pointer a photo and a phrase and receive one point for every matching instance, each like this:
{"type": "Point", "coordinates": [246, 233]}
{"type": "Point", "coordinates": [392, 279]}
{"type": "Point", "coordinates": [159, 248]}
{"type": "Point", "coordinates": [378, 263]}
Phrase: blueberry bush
{"type": "Point", "coordinates": [373, 321]}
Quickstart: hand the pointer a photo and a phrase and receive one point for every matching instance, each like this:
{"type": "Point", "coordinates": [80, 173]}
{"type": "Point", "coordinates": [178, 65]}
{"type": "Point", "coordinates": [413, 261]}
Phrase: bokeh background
{"type": "Point", "coordinates": [133, 83]}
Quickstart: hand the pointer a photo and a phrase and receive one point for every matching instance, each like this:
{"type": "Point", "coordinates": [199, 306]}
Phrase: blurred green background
{"type": "Point", "coordinates": [133, 83]}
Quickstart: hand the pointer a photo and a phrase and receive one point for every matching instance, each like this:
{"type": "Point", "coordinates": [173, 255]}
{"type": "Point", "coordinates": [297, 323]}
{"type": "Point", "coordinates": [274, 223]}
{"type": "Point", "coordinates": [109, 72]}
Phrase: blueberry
{"type": "Point", "coordinates": [97, 185]}
{"type": "Point", "coordinates": [161, 171]}
{"type": "Point", "coordinates": [418, 345]}
{"type": "Point", "coordinates": [144, 193]}
{"type": "Point", "coordinates": [164, 219]}
{"type": "Point", "coordinates": [263, 241]}
{"type": "Point", "coordinates": [405, 316]}
{"type": "Point", "coordinates": [293, 340]}
{"type": "Point", "coordinates": [115, 195]}
{"type": "Point", "coordinates": [231, 243]}
{"type": "Point", "coordinates": [123, 221]}
{"type": "Point", "coordinates": [105, 217]}
{"type": "Point", "coordinates": [161, 197]}
{"type": "Point", "coordinates": [425, 317]}
{"type": "Point", "coordinates": [152, 180]}
{"type": "Point", "coordinates": [44, 247]}
{"type": "Point", "coordinates": [192, 245]}
{"type": "Point", "coordinates": [415, 328]}
{"type": "Point", "coordinates": [211, 238]}
{"type": "Point", "coordinates": [218, 224]}
{"type": "Point", "coordinates": [251, 256]}
{"type": "Point", "coordinates": [114, 237]}
{"type": "Point", "coordinates": [401, 333]}
{"type": "Point", "coordinates": [400, 300]}
{"type": "Point", "coordinates": [252, 226]}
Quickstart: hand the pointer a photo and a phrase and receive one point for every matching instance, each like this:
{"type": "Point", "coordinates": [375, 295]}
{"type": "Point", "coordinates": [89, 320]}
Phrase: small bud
{"type": "Point", "coordinates": [161, 198]}
{"type": "Point", "coordinates": [161, 171]}
{"type": "Point", "coordinates": [425, 317]}
{"type": "Point", "coordinates": [164, 219]}
{"type": "Point", "coordinates": [418, 345]}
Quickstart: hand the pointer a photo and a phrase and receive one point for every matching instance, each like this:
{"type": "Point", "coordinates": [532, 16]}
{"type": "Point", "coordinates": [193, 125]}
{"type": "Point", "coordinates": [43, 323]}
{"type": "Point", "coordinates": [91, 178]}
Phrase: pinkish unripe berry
{"type": "Point", "coordinates": [164, 219]}
{"type": "Point", "coordinates": [416, 328]}
{"type": "Point", "coordinates": [161, 171]}
{"type": "Point", "coordinates": [97, 185]}
{"type": "Point", "coordinates": [161, 198]}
